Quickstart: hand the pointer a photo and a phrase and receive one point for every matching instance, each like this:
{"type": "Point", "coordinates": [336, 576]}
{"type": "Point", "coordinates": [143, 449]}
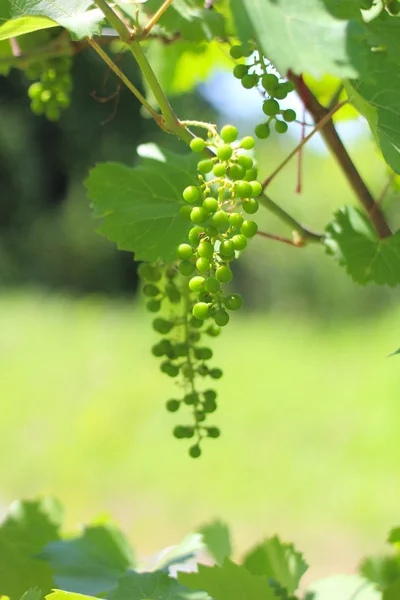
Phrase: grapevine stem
{"type": "Point", "coordinates": [303, 232]}
{"type": "Point", "coordinates": [337, 148]}
{"type": "Point", "coordinates": [125, 80]}
{"type": "Point", "coordinates": [295, 242]}
{"type": "Point", "coordinates": [304, 141]}
{"type": "Point", "coordinates": [156, 17]}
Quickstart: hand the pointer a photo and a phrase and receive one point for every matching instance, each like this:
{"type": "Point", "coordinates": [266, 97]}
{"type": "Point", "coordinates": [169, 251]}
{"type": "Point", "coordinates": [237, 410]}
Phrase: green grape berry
{"type": "Point", "coordinates": [270, 107]}
{"type": "Point", "coordinates": [213, 432]}
{"type": "Point", "coordinates": [281, 126]}
{"type": "Point", "coordinates": [201, 310]}
{"type": "Point", "coordinates": [250, 175]}
{"type": "Point", "coordinates": [149, 272]}
{"type": "Point", "coordinates": [256, 187]}
{"type": "Point", "coordinates": [212, 285]}
{"type": "Point", "coordinates": [186, 268]}
{"type": "Point", "coordinates": [239, 241]}
{"type": "Point", "coordinates": [213, 331]}
{"type": "Point", "coordinates": [220, 219]}
{"type": "Point", "coordinates": [195, 235]}
{"type": "Point", "coordinates": [243, 189]}
{"type": "Point", "coordinates": [229, 133]}
{"type": "Point", "coordinates": [203, 353]}
{"type": "Point", "coordinates": [250, 81]}
{"type": "Point", "coordinates": [227, 249]}
{"type": "Point", "coordinates": [280, 92]}
{"type": "Point", "coordinates": [289, 115]}
{"type": "Point", "coordinates": [240, 71]}
{"type": "Point", "coordinates": [185, 211]}
{"type": "Point", "coordinates": [210, 395]}
{"type": "Point", "coordinates": [35, 90]}
{"type": "Point", "coordinates": [262, 131]}
{"type": "Point", "coordinates": [195, 451]}
{"type": "Point", "coordinates": [209, 406]}
{"type": "Point", "coordinates": [219, 170]}
{"type": "Point", "coordinates": [202, 264]}
{"type": "Point", "coordinates": [236, 52]}
{"type": "Point", "coordinates": [221, 318]}
{"type": "Point", "coordinates": [173, 405]}
{"type": "Point", "coordinates": [247, 143]}
{"type": "Point", "coordinates": [224, 275]}
{"type": "Point", "coordinates": [205, 166]}
{"type": "Point", "coordinates": [269, 82]}
{"type": "Point", "coordinates": [191, 399]}
{"type": "Point", "coordinates": [198, 215]}
{"type": "Point", "coordinates": [197, 144]}
{"type": "Point", "coordinates": [236, 172]}
{"type": "Point", "coordinates": [216, 373]}
{"type": "Point", "coordinates": [250, 206]}
{"type": "Point", "coordinates": [200, 416]}
{"type": "Point", "coordinates": [205, 249]}
{"type": "Point", "coordinates": [163, 326]}
{"type": "Point", "coordinates": [245, 161]}
{"type": "Point", "coordinates": [191, 194]}
{"type": "Point", "coordinates": [150, 290]}
{"type": "Point", "coordinates": [153, 305]}
{"type": "Point", "coordinates": [169, 369]}
{"type": "Point", "coordinates": [224, 152]}
{"type": "Point", "coordinates": [210, 205]}
{"type": "Point", "coordinates": [236, 220]}
{"type": "Point", "coordinates": [233, 302]}
{"type": "Point", "coordinates": [184, 251]}
{"type": "Point", "coordinates": [196, 284]}
{"type": "Point", "coordinates": [179, 432]}
{"type": "Point", "coordinates": [289, 86]}
{"type": "Point", "coordinates": [249, 229]}
{"type": "Point", "coordinates": [173, 293]}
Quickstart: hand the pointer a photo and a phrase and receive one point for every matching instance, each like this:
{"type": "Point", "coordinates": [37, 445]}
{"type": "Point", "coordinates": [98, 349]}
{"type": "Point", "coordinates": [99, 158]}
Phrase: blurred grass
{"type": "Point", "coordinates": [309, 410]}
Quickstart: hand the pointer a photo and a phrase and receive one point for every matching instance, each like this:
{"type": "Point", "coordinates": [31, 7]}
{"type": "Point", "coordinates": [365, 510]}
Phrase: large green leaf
{"type": "Point", "coordinates": [382, 571]}
{"type": "Point", "coordinates": [153, 586]}
{"type": "Point", "coordinates": [91, 563]}
{"type": "Point", "coordinates": [217, 540]}
{"type": "Point", "coordinates": [278, 560]}
{"type": "Point", "coordinates": [229, 582]}
{"type": "Point", "coordinates": [62, 595]}
{"type": "Point", "coordinates": [392, 592]}
{"type": "Point", "coordinates": [28, 527]}
{"type": "Point", "coordinates": [354, 243]}
{"type": "Point", "coordinates": [316, 36]}
{"type": "Point", "coordinates": [23, 16]}
{"type": "Point", "coordinates": [140, 205]}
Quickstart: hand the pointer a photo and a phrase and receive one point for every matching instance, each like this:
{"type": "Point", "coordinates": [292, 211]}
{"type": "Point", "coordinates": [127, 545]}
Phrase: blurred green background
{"type": "Point", "coordinates": [309, 404]}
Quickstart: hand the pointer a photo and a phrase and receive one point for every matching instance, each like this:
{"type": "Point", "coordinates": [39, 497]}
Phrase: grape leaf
{"type": "Point", "coordinates": [382, 571]}
{"type": "Point", "coordinates": [354, 243]}
{"type": "Point", "coordinates": [394, 536]}
{"type": "Point", "coordinates": [392, 592]}
{"type": "Point", "coordinates": [190, 19]}
{"type": "Point", "coordinates": [91, 563]}
{"type": "Point", "coordinates": [154, 586]}
{"type": "Point", "coordinates": [62, 595]}
{"type": "Point", "coordinates": [377, 97]}
{"type": "Point", "coordinates": [217, 539]}
{"type": "Point", "coordinates": [311, 35]}
{"type": "Point", "coordinates": [32, 594]}
{"type": "Point", "coordinates": [187, 549]}
{"type": "Point", "coordinates": [24, 16]}
{"type": "Point", "coordinates": [140, 205]}
{"type": "Point", "coordinates": [386, 35]}
{"type": "Point", "coordinates": [229, 582]}
{"type": "Point", "coordinates": [27, 528]}
{"type": "Point", "coordinates": [278, 560]}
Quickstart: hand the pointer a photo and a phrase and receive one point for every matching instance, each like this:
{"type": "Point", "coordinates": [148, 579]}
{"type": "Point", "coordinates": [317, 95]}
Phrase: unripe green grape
{"type": "Point", "coordinates": [224, 152]}
{"type": "Point", "coordinates": [212, 285]}
{"type": "Point", "coordinates": [63, 100]}
{"type": "Point", "coordinates": [236, 52]}
{"type": "Point", "coordinates": [189, 432]}
{"type": "Point", "coordinates": [52, 113]}
{"type": "Point", "coordinates": [205, 296]}
{"type": "Point", "coordinates": [210, 395]}
{"type": "Point", "coordinates": [179, 432]}
{"type": "Point", "coordinates": [163, 326]}
{"type": "Point", "coordinates": [256, 187]}
{"type": "Point", "coordinates": [245, 161]}
{"type": "Point", "coordinates": [240, 71]}
{"type": "Point", "coordinates": [249, 229]}
{"type": "Point", "coordinates": [236, 172]}
{"type": "Point", "coordinates": [162, 348]}
{"type": "Point", "coordinates": [149, 272]}
{"type": "Point", "coordinates": [247, 143]}
{"type": "Point", "coordinates": [250, 175]}
{"type": "Point", "coordinates": [269, 82]}
{"type": "Point", "coordinates": [221, 318]}
{"type": "Point", "coordinates": [243, 189]}
{"type": "Point", "coordinates": [37, 107]}
{"type": "Point", "coordinates": [173, 294]}
{"type": "Point", "coordinates": [262, 131]}
{"type": "Point", "coordinates": [153, 305]}
{"type": "Point", "coordinates": [236, 220]}
{"type": "Point", "coordinates": [205, 249]}
{"type": "Point", "coordinates": [280, 92]}
{"type": "Point", "coordinates": [196, 284]}
{"type": "Point", "coordinates": [203, 370]}
{"type": "Point", "coordinates": [194, 234]}
{"type": "Point", "coordinates": [169, 369]}
{"type": "Point", "coordinates": [250, 81]}
{"type": "Point", "coordinates": [239, 241]}
{"type": "Point", "coordinates": [203, 353]}
{"type": "Point", "coordinates": [184, 251]}
{"type": "Point", "coordinates": [213, 331]}
{"type": "Point", "coordinates": [227, 249]}
{"type": "Point", "coordinates": [198, 215]}
{"type": "Point", "coordinates": [281, 126]}
{"type": "Point", "coordinates": [171, 272]}
{"type": "Point", "coordinates": [270, 107]}
{"type": "Point", "coordinates": [191, 194]}
{"type": "Point", "coordinates": [220, 219]}
{"type": "Point", "coordinates": [197, 144]}
{"type": "Point", "coordinates": [181, 349]}
{"type": "Point", "coordinates": [211, 230]}
{"type": "Point", "coordinates": [216, 373]}
{"type": "Point", "coordinates": [289, 115]}
{"type": "Point", "coordinates": [233, 301]}
{"type": "Point", "coordinates": [209, 406]}
{"type": "Point", "coordinates": [205, 166]}
{"type": "Point", "coordinates": [201, 310]}
{"type": "Point", "coordinates": [186, 268]}
{"type": "Point", "coordinates": [150, 290]}
{"type": "Point", "coordinates": [219, 170]}
{"type": "Point", "coordinates": [195, 451]}
{"type": "Point", "coordinates": [200, 416]}
{"type": "Point", "coordinates": [185, 211]}
{"type": "Point", "coordinates": [173, 405]}
{"type": "Point", "coordinates": [191, 399]}
{"type": "Point", "coordinates": [202, 265]}
{"type": "Point", "coordinates": [213, 432]}
{"type": "Point", "coordinates": [45, 96]}
{"type": "Point", "coordinates": [247, 50]}
{"type": "Point", "coordinates": [35, 90]}
{"type": "Point", "coordinates": [229, 133]}
{"type": "Point", "coordinates": [196, 323]}
{"type": "Point", "coordinates": [289, 86]}
{"type": "Point", "coordinates": [250, 206]}
{"type": "Point", "coordinates": [210, 205]}
{"type": "Point", "coordinates": [224, 275]}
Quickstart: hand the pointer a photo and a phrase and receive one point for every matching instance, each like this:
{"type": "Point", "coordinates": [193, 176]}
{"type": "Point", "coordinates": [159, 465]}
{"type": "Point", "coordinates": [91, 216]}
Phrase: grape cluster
{"type": "Point", "coordinates": [51, 94]}
{"type": "Point", "coordinates": [183, 356]}
{"type": "Point", "coordinates": [256, 75]}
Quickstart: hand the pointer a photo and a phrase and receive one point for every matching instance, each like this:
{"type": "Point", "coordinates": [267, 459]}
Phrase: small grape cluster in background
{"type": "Point", "coordinates": [256, 75]}
{"type": "Point", "coordinates": [51, 94]}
